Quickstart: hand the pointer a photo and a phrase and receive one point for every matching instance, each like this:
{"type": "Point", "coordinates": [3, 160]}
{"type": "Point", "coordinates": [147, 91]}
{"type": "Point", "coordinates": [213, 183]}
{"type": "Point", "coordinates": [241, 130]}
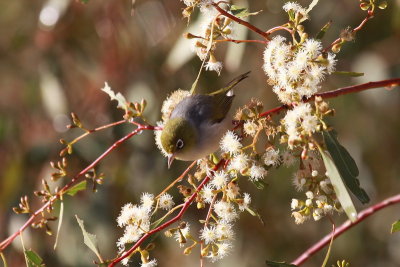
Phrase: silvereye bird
{"type": "Point", "coordinates": [197, 124]}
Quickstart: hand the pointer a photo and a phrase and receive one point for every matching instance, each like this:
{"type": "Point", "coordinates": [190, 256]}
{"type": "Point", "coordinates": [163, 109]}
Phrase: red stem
{"type": "Point", "coordinates": [240, 21]}
{"type": "Point", "coordinates": [369, 16]}
{"type": "Point", "coordinates": [241, 41]}
{"type": "Point", "coordinates": [340, 91]}
{"type": "Point", "coordinates": [168, 223]}
{"type": "Point", "coordinates": [5, 243]}
{"type": "Point", "coordinates": [344, 227]}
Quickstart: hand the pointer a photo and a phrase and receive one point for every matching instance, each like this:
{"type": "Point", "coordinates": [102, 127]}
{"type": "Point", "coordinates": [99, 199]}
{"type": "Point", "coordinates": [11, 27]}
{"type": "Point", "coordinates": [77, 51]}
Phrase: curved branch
{"type": "Point", "coordinates": [340, 91]}
{"type": "Point", "coordinates": [344, 227]}
{"type": "Point", "coordinates": [168, 223]}
{"type": "Point", "coordinates": [5, 243]}
{"type": "Point", "coordinates": [240, 21]}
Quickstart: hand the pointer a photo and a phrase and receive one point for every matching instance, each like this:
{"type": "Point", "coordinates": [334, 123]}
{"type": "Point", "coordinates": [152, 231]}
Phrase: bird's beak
{"type": "Point", "coordinates": [171, 158]}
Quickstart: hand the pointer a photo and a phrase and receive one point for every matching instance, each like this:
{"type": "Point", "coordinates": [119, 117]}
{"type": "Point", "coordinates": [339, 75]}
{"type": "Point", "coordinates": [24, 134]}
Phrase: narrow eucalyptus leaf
{"type": "Point", "coordinates": [395, 227]}
{"type": "Point", "coordinates": [242, 12]}
{"type": "Point", "coordinates": [349, 73]}
{"type": "Point", "coordinates": [76, 188]}
{"type": "Point", "coordinates": [89, 239]}
{"type": "Point", "coordinates": [60, 219]}
{"type": "Point", "coordinates": [33, 259]}
{"type": "Point", "coordinates": [279, 264]}
{"type": "Point", "coordinates": [338, 185]}
{"type": "Point", "coordinates": [346, 165]}
{"type": "Point", "coordinates": [324, 29]}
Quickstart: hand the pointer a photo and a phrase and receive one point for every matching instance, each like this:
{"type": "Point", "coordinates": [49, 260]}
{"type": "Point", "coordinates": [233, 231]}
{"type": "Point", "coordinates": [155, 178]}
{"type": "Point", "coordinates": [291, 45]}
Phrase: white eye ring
{"type": "Point", "coordinates": [179, 144]}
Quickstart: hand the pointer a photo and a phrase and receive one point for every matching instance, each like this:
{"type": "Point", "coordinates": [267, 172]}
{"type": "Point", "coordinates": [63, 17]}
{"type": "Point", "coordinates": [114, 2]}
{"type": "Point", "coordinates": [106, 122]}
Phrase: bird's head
{"type": "Point", "coordinates": [177, 138]}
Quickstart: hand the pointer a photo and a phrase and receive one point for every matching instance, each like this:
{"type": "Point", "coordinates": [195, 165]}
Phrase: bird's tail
{"type": "Point", "coordinates": [231, 84]}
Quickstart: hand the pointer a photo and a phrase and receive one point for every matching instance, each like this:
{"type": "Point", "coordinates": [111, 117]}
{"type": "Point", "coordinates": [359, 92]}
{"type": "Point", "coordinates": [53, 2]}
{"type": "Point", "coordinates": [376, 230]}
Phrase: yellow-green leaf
{"type": "Point", "coordinates": [76, 188]}
{"type": "Point", "coordinates": [395, 227]}
{"type": "Point", "coordinates": [338, 185]}
{"type": "Point", "coordinates": [33, 259]}
{"type": "Point", "coordinates": [89, 239]}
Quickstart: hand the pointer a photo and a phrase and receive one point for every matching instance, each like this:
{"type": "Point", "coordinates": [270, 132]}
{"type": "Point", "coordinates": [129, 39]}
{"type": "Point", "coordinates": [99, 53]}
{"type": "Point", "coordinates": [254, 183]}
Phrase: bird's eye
{"type": "Point", "coordinates": [179, 144]}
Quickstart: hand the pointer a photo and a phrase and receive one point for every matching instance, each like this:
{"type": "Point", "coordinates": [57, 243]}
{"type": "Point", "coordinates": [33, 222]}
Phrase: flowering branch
{"type": "Point", "coordinates": [5, 243]}
{"type": "Point", "coordinates": [341, 91]}
{"type": "Point", "coordinates": [168, 223]}
{"type": "Point", "coordinates": [344, 227]}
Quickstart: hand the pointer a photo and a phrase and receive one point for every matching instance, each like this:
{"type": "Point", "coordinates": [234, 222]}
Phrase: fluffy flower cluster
{"type": "Point", "coordinates": [296, 71]}
{"type": "Point", "coordinates": [300, 121]}
{"type": "Point", "coordinates": [135, 219]}
{"type": "Point", "coordinates": [320, 197]}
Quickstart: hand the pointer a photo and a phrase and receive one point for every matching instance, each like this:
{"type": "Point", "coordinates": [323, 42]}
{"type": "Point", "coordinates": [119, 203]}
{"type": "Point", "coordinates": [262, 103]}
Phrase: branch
{"type": "Point", "coordinates": [341, 91]}
{"type": "Point", "coordinates": [168, 223]}
{"type": "Point", "coordinates": [5, 243]}
{"type": "Point", "coordinates": [240, 21]}
{"type": "Point", "coordinates": [369, 16]}
{"type": "Point", "coordinates": [344, 227]}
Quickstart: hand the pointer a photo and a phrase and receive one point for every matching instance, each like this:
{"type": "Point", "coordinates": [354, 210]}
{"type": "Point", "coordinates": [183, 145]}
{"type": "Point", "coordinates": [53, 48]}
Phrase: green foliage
{"type": "Point", "coordinates": [349, 73]}
{"type": "Point", "coordinates": [279, 264]}
{"type": "Point", "coordinates": [60, 219]}
{"type": "Point", "coordinates": [33, 259]}
{"type": "Point", "coordinates": [242, 12]}
{"type": "Point", "coordinates": [395, 227]}
{"type": "Point", "coordinates": [324, 29]}
{"type": "Point", "coordinates": [89, 239]}
{"type": "Point", "coordinates": [346, 165]}
{"type": "Point", "coordinates": [76, 188]}
{"type": "Point", "coordinates": [338, 185]}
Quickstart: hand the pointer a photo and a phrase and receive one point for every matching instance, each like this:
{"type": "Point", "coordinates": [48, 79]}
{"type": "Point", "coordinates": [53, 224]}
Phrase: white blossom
{"type": "Point", "coordinates": [230, 143]}
{"type": "Point", "coordinates": [225, 210]}
{"type": "Point", "coordinates": [257, 172]}
{"type": "Point", "coordinates": [239, 162]}
{"type": "Point", "coordinates": [166, 202]}
{"type": "Point", "coordinates": [271, 157]}
{"type": "Point", "coordinates": [209, 234]}
{"type": "Point", "coordinates": [219, 179]}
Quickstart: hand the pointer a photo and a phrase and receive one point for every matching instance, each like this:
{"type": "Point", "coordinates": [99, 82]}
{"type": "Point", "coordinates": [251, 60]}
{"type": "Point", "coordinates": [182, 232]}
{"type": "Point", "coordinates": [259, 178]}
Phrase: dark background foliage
{"type": "Point", "coordinates": [48, 71]}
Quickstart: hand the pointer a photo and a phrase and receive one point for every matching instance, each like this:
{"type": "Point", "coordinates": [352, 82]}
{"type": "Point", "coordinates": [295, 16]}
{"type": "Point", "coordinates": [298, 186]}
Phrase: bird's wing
{"type": "Point", "coordinates": [231, 84]}
{"type": "Point", "coordinates": [221, 105]}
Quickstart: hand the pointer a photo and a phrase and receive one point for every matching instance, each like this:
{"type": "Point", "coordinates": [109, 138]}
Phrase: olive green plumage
{"type": "Point", "coordinates": [197, 123]}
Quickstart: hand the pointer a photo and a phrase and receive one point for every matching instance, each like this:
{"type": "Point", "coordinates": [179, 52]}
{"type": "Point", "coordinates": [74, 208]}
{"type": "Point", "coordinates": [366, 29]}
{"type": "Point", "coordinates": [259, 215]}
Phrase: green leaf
{"type": "Point", "coordinates": [324, 29]}
{"type": "Point", "coordinates": [90, 240]}
{"type": "Point", "coordinates": [33, 259]}
{"type": "Point", "coordinates": [338, 185]}
{"type": "Point", "coordinates": [255, 214]}
{"type": "Point", "coordinates": [242, 12]}
{"type": "Point", "coordinates": [260, 184]}
{"type": "Point", "coordinates": [76, 188]}
{"type": "Point", "coordinates": [60, 219]}
{"type": "Point", "coordinates": [279, 264]}
{"type": "Point", "coordinates": [349, 73]}
{"type": "Point", "coordinates": [395, 227]}
{"type": "Point", "coordinates": [346, 165]}
{"type": "Point", "coordinates": [84, 1]}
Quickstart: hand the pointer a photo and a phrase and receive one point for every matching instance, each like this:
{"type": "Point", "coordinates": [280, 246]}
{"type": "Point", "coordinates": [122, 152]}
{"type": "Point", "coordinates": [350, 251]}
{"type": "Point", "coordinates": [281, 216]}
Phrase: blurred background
{"type": "Point", "coordinates": [57, 54]}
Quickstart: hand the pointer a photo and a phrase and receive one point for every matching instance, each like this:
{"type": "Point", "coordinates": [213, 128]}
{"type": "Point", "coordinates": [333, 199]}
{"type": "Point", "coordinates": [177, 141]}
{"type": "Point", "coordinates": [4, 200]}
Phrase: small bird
{"type": "Point", "coordinates": [197, 124]}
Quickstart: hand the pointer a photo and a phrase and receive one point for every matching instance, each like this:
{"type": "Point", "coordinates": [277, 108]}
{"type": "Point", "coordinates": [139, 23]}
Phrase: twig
{"type": "Point", "coordinates": [241, 41]}
{"type": "Point", "coordinates": [369, 16]}
{"type": "Point", "coordinates": [168, 223]}
{"type": "Point", "coordinates": [340, 91]}
{"type": "Point", "coordinates": [177, 180]}
{"type": "Point", "coordinates": [5, 243]}
{"type": "Point", "coordinates": [344, 227]}
{"type": "Point", "coordinates": [240, 21]}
